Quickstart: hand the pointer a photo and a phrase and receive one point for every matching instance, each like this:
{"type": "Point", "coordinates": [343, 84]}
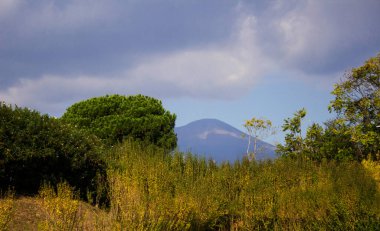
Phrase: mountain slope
{"type": "Point", "coordinates": [218, 140]}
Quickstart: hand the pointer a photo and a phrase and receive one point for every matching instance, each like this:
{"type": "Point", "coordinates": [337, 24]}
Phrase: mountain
{"type": "Point", "coordinates": [218, 140]}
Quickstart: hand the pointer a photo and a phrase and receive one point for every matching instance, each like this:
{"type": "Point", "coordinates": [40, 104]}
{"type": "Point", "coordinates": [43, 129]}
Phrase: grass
{"type": "Point", "coordinates": [31, 214]}
{"type": "Point", "coordinates": [6, 210]}
{"type": "Point", "coordinates": [150, 190]}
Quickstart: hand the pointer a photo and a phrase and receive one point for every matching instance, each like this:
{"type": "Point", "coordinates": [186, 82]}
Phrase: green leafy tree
{"type": "Point", "coordinates": [337, 143]}
{"type": "Point", "coordinates": [114, 118]}
{"type": "Point", "coordinates": [294, 143]}
{"type": "Point", "coordinates": [331, 141]}
{"type": "Point", "coordinates": [357, 104]}
{"type": "Point", "coordinates": [257, 129]}
{"type": "Point", "coordinates": [36, 148]}
{"type": "Point", "coordinates": [314, 141]}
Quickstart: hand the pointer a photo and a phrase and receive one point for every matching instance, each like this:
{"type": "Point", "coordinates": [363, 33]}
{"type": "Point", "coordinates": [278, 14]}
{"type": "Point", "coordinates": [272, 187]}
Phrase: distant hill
{"type": "Point", "coordinates": [218, 140]}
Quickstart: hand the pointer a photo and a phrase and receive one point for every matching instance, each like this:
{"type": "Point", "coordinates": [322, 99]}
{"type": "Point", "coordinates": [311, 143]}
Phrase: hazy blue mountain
{"type": "Point", "coordinates": [218, 140]}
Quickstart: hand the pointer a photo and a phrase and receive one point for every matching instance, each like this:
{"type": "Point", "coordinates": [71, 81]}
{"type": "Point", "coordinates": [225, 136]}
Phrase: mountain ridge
{"type": "Point", "coordinates": [218, 140]}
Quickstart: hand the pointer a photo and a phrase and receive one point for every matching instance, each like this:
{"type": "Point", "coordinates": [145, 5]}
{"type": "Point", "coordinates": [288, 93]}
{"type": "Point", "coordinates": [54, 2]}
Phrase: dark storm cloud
{"type": "Point", "coordinates": [101, 36]}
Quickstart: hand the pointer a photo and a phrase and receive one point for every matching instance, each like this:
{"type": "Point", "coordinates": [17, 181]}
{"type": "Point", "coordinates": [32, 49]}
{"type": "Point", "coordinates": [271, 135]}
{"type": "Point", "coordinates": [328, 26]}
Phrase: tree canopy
{"type": "Point", "coordinates": [357, 104]}
{"type": "Point", "coordinates": [37, 149]}
{"type": "Point", "coordinates": [114, 118]}
{"type": "Point", "coordinates": [293, 140]}
{"type": "Point", "coordinates": [355, 132]}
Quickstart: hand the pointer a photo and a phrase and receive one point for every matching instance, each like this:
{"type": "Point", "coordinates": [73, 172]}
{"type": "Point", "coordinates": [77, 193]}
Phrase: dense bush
{"type": "Point", "coordinates": [114, 118]}
{"type": "Point", "coordinates": [36, 148]}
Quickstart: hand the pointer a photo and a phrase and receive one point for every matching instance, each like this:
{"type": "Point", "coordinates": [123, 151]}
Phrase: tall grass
{"type": "Point", "coordinates": [61, 208]}
{"type": "Point", "coordinates": [153, 191]}
{"type": "Point", "coordinates": [6, 210]}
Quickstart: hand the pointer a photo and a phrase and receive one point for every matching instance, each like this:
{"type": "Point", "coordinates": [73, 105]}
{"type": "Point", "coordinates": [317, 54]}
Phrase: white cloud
{"type": "Point", "coordinates": [52, 93]}
{"type": "Point", "coordinates": [205, 134]}
{"type": "Point", "coordinates": [320, 36]}
{"type": "Point", "coordinates": [306, 31]}
{"type": "Point", "coordinates": [193, 73]}
{"type": "Point", "coordinates": [225, 71]}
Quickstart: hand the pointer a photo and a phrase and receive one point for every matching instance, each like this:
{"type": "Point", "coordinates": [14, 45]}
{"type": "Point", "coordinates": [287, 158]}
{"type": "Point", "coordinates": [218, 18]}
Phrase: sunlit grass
{"type": "Point", "coordinates": [156, 189]}
{"type": "Point", "coordinates": [151, 190]}
{"type": "Point", "coordinates": [61, 208]}
{"type": "Point", "coordinates": [6, 210]}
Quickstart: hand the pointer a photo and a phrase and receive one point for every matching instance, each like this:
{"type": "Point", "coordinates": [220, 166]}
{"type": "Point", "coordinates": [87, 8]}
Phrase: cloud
{"type": "Point", "coordinates": [205, 134]}
{"type": "Point", "coordinates": [198, 74]}
{"type": "Point", "coordinates": [223, 72]}
{"type": "Point", "coordinates": [96, 37]}
{"type": "Point", "coordinates": [321, 37]}
{"type": "Point", "coordinates": [226, 71]}
{"type": "Point", "coordinates": [67, 15]}
{"type": "Point", "coordinates": [8, 6]}
{"type": "Point", "coordinates": [53, 53]}
{"type": "Point", "coordinates": [51, 94]}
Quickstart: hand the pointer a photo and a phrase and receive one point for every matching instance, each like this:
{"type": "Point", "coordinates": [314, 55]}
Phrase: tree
{"type": "Point", "coordinates": [314, 141]}
{"type": "Point", "coordinates": [114, 118]}
{"type": "Point", "coordinates": [294, 143]}
{"type": "Point", "coordinates": [37, 149]}
{"type": "Point", "coordinates": [257, 128]}
{"type": "Point", "coordinates": [357, 104]}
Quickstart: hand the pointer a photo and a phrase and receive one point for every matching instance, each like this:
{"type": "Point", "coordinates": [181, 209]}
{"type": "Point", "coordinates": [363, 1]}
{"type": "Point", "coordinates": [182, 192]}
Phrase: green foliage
{"type": "Point", "coordinates": [151, 190]}
{"type": "Point", "coordinates": [294, 144]}
{"type": "Point", "coordinates": [35, 148]}
{"type": "Point", "coordinates": [114, 118]}
{"type": "Point", "coordinates": [355, 133]}
{"type": "Point", "coordinates": [332, 142]}
{"type": "Point", "coordinates": [357, 103]}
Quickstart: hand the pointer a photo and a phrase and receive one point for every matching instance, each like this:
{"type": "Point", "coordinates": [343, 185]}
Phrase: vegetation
{"type": "Point", "coordinates": [326, 180]}
{"type": "Point", "coordinates": [114, 118]}
{"type": "Point", "coordinates": [357, 103]}
{"type": "Point", "coordinates": [6, 210]}
{"type": "Point", "coordinates": [151, 190]}
{"type": "Point", "coordinates": [257, 129]}
{"type": "Point", "coordinates": [176, 192]}
{"type": "Point", "coordinates": [61, 208]}
{"type": "Point", "coordinates": [36, 148]}
{"type": "Point", "coordinates": [294, 145]}
{"type": "Point", "coordinates": [355, 132]}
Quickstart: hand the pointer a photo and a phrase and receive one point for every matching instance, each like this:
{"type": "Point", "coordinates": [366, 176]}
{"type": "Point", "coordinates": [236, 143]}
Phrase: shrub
{"type": "Point", "coordinates": [36, 148]}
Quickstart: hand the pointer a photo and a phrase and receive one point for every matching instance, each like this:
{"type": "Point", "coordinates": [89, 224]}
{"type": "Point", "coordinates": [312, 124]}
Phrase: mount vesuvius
{"type": "Point", "coordinates": [218, 140]}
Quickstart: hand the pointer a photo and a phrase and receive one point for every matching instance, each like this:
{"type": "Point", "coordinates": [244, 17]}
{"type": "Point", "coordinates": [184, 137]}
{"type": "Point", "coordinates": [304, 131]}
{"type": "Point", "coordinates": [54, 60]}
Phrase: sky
{"type": "Point", "coordinates": [226, 59]}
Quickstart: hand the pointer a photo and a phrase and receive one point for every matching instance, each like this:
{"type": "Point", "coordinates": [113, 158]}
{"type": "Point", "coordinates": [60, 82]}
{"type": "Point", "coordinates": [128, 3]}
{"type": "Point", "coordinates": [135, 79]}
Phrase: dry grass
{"type": "Point", "coordinates": [157, 192]}
{"type": "Point", "coordinates": [29, 213]}
{"type": "Point", "coordinates": [6, 211]}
